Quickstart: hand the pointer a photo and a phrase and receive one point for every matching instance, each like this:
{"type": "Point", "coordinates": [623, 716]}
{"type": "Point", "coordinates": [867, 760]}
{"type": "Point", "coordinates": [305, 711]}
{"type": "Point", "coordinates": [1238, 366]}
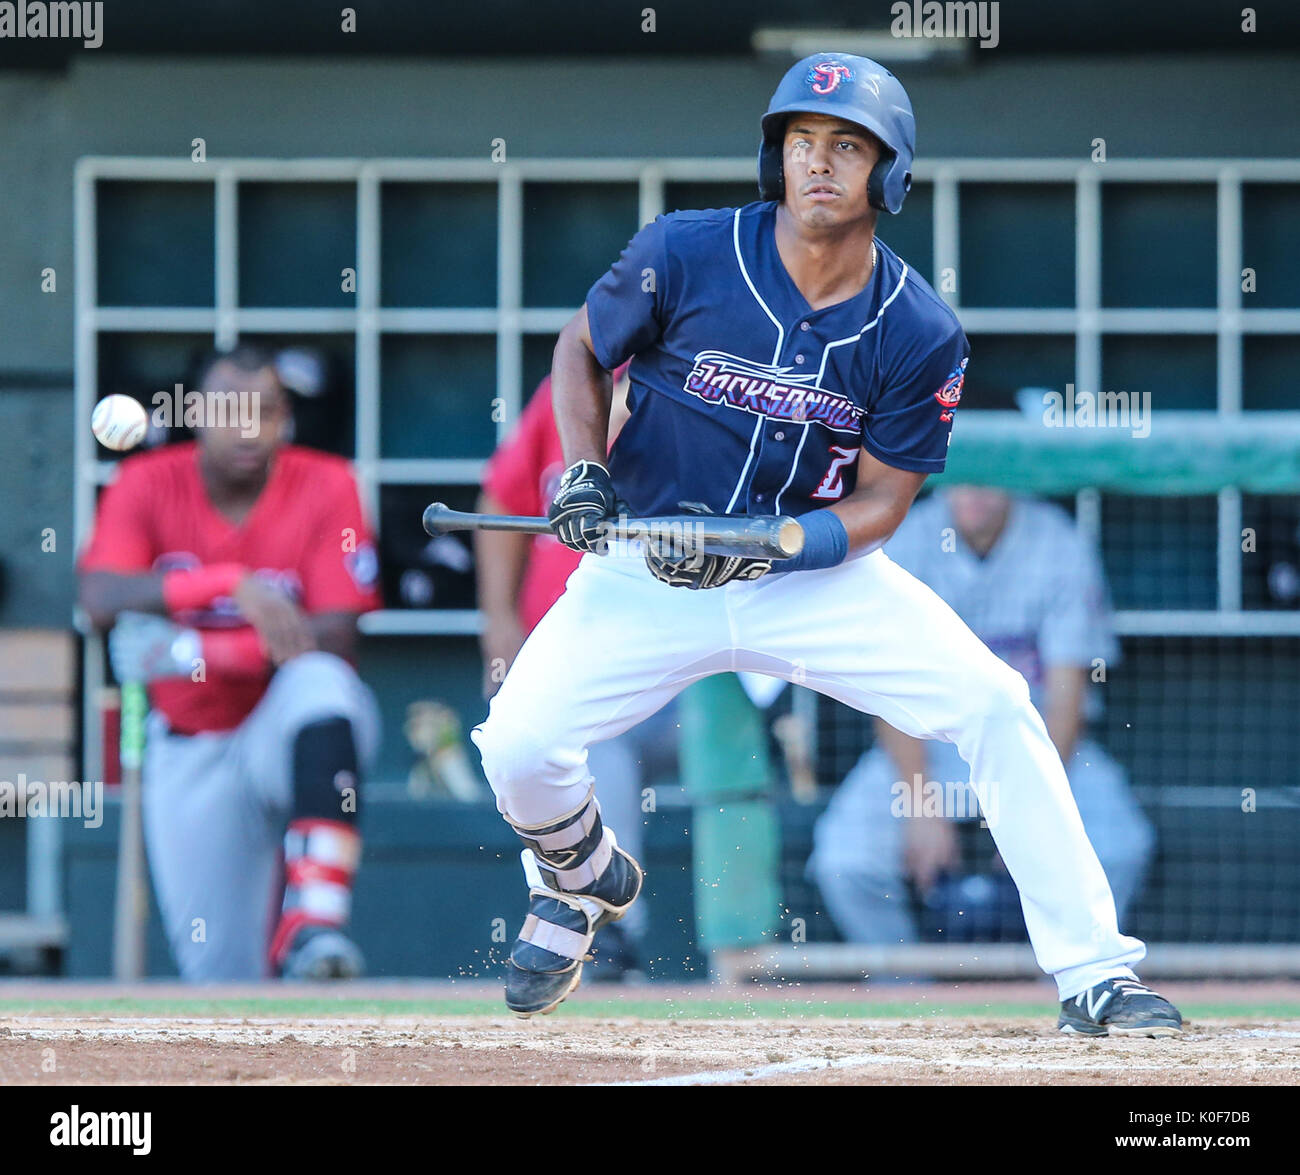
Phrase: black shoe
{"type": "Point", "coordinates": [1119, 1007]}
{"type": "Point", "coordinates": [545, 964]}
{"type": "Point", "coordinates": [320, 953]}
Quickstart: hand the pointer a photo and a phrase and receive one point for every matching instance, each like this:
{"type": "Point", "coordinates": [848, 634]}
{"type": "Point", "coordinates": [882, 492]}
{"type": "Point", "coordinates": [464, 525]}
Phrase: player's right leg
{"type": "Point", "coordinates": [611, 651]}
{"type": "Point", "coordinates": [212, 856]}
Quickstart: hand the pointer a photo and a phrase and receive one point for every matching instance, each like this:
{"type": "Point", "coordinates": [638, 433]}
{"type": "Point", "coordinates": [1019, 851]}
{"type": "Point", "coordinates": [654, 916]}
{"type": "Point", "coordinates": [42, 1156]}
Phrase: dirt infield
{"type": "Point", "coordinates": [63, 1034]}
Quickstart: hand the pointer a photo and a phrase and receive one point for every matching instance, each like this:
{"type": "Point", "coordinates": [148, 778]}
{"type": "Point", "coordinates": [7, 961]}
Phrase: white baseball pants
{"type": "Point", "coordinates": [215, 810]}
{"type": "Point", "coordinates": [619, 644]}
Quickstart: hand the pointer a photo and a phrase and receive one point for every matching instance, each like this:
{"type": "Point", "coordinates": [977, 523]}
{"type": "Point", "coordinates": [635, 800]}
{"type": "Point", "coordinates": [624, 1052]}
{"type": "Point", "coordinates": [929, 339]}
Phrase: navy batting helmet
{"type": "Point", "coordinates": [859, 91]}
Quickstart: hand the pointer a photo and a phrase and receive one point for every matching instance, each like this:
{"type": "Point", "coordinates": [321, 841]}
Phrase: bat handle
{"type": "Point", "coordinates": [135, 705]}
{"type": "Point", "coordinates": [132, 899]}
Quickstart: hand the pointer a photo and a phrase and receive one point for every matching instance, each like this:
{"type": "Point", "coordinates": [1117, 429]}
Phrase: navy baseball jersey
{"type": "Point", "coordinates": [745, 398]}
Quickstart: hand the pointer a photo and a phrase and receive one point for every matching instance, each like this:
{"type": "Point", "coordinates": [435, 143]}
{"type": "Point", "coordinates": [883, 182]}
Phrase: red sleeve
{"type": "Point", "coordinates": [121, 539]}
{"type": "Point", "coordinates": [513, 475]}
{"type": "Point", "coordinates": [340, 572]}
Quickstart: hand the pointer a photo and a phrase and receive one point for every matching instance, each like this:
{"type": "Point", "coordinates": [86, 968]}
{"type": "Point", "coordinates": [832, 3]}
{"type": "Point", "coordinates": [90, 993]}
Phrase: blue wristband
{"type": "Point", "coordinates": [825, 543]}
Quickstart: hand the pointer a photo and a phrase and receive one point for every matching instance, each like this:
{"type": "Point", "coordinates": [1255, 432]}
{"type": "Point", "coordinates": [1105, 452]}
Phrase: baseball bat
{"type": "Point", "coordinates": [132, 910]}
{"type": "Point", "coordinates": [775, 537]}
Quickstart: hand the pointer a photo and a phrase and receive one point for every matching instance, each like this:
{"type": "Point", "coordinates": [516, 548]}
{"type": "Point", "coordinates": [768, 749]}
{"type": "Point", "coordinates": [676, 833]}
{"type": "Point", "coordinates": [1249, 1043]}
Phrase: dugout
{"type": "Point", "coordinates": [1127, 273]}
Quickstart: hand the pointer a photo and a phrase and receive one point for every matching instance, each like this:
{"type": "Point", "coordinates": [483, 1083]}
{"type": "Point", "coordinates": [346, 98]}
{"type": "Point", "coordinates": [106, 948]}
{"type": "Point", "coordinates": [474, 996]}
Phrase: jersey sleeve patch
{"type": "Point", "coordinates": [903, 427]}
{"type": "Point", "coordinates": [949, 393]}
{"type": "Point", "coordinates": [363, 567]}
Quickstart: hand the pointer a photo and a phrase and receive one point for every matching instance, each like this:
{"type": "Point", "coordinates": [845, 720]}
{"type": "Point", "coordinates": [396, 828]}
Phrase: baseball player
{"type": "Point", "coordinates": [233, 569]}
{"type": "Point", "coordinates": [1018, 573]}
{"type": "Point", "coordinates": [784, 361]}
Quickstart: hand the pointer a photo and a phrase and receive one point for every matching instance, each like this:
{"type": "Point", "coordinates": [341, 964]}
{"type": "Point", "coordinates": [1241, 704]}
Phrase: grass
{"type": "Point", "coordinates": [674, 1008]}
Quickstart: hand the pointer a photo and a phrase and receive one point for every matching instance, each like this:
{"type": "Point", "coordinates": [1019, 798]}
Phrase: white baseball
{"type": "Point", "coordinates": [119, 422]}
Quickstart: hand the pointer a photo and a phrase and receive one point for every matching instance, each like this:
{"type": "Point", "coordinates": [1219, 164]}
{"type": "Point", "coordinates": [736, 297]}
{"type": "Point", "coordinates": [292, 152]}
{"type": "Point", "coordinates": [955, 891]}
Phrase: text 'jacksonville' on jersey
{"type": "Point", "coordinates": [745, 398]}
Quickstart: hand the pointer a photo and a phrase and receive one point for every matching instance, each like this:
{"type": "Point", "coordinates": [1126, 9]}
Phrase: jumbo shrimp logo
{"type": "Point", "coordinates": [826, 76]}
{"type": "Point", "coordinates": [775, 392]}
{"type": "Point", "coordinates": [949, 393]}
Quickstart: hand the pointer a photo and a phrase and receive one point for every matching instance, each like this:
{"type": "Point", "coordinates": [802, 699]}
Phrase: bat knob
{"type": "Point", "coordinates": [434, 518]}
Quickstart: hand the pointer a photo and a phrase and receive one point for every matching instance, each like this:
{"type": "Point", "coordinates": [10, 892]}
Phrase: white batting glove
{"type": "Point", "coordinates": [144, 648]}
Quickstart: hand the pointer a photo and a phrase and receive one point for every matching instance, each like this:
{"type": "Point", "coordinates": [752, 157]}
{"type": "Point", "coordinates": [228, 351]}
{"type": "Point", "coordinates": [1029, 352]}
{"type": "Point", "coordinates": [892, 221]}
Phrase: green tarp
{"type": "Point", "coordinates": [1181, 453]}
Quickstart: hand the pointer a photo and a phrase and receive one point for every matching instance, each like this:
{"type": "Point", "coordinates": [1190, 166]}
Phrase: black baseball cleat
{"type": "Point", "coordinates": [320, 953]}
{"type": "Point", "coordinates": [546, 961]}
{"type": "Point", "coordinates": [578, 881]}
{"type": "Point", "coordinates": [1119, 1007]}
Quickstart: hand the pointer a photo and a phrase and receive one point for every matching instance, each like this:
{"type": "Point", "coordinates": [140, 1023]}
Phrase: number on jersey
{"type": "Point", "coordinates": [832, 485]}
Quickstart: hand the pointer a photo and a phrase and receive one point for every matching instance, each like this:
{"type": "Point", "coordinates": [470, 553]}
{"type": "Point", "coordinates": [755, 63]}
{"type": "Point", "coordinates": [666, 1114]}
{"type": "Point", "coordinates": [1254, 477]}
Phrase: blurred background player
{"type": "Point", "coordinates": [1016, 570]}
{"type": "Point", "coordinates": [232, 570]}
{"type": "Point", "coordinates": [519, 577]}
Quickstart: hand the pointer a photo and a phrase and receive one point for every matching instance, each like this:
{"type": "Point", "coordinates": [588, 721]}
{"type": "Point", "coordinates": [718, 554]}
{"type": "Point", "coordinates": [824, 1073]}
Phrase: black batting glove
{"type": "Point", "coordinates": [695, 569]}
{"type": "Point", "coordinates": [582, 505]}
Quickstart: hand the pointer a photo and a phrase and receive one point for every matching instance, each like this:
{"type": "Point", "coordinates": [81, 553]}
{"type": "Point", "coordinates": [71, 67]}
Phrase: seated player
{"type": "Point", "coordinates": [233, 569]}
{"type": "Point", "coordinates": [1024, 581]}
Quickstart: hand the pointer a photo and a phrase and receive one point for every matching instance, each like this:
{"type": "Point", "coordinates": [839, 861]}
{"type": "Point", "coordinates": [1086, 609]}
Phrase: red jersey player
{"type": "Point", "coordinates": [233, 570]}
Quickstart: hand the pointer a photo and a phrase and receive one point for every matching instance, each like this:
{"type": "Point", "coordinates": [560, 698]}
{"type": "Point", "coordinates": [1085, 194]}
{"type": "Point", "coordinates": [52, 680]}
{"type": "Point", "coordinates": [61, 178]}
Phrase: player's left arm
{"type": "Point", "coordinates": [879, 504]}
{"type": "Point", "coordinates": [904, 439]}
{"type": "Point", "coordinates": [1075, 633]}
{"type": "Point", "coordinates": [860, 522]}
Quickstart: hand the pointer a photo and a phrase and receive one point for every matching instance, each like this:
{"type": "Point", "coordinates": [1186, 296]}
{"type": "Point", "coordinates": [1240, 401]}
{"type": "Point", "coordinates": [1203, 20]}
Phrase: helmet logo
{"type": "Point", "coordinates": [825, 76]}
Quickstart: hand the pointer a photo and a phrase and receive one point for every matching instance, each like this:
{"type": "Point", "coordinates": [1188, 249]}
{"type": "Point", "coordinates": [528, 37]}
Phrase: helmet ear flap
{"type": "Point", "coordinates": [876, 185]}
{"type": "Point", "coordinates": [771, 172]}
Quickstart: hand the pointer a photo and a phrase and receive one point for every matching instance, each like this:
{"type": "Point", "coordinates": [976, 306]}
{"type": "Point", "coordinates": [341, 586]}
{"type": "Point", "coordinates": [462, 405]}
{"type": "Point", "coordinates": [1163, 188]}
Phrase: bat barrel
{"type": "Point", "coordinates": [789, 536]}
